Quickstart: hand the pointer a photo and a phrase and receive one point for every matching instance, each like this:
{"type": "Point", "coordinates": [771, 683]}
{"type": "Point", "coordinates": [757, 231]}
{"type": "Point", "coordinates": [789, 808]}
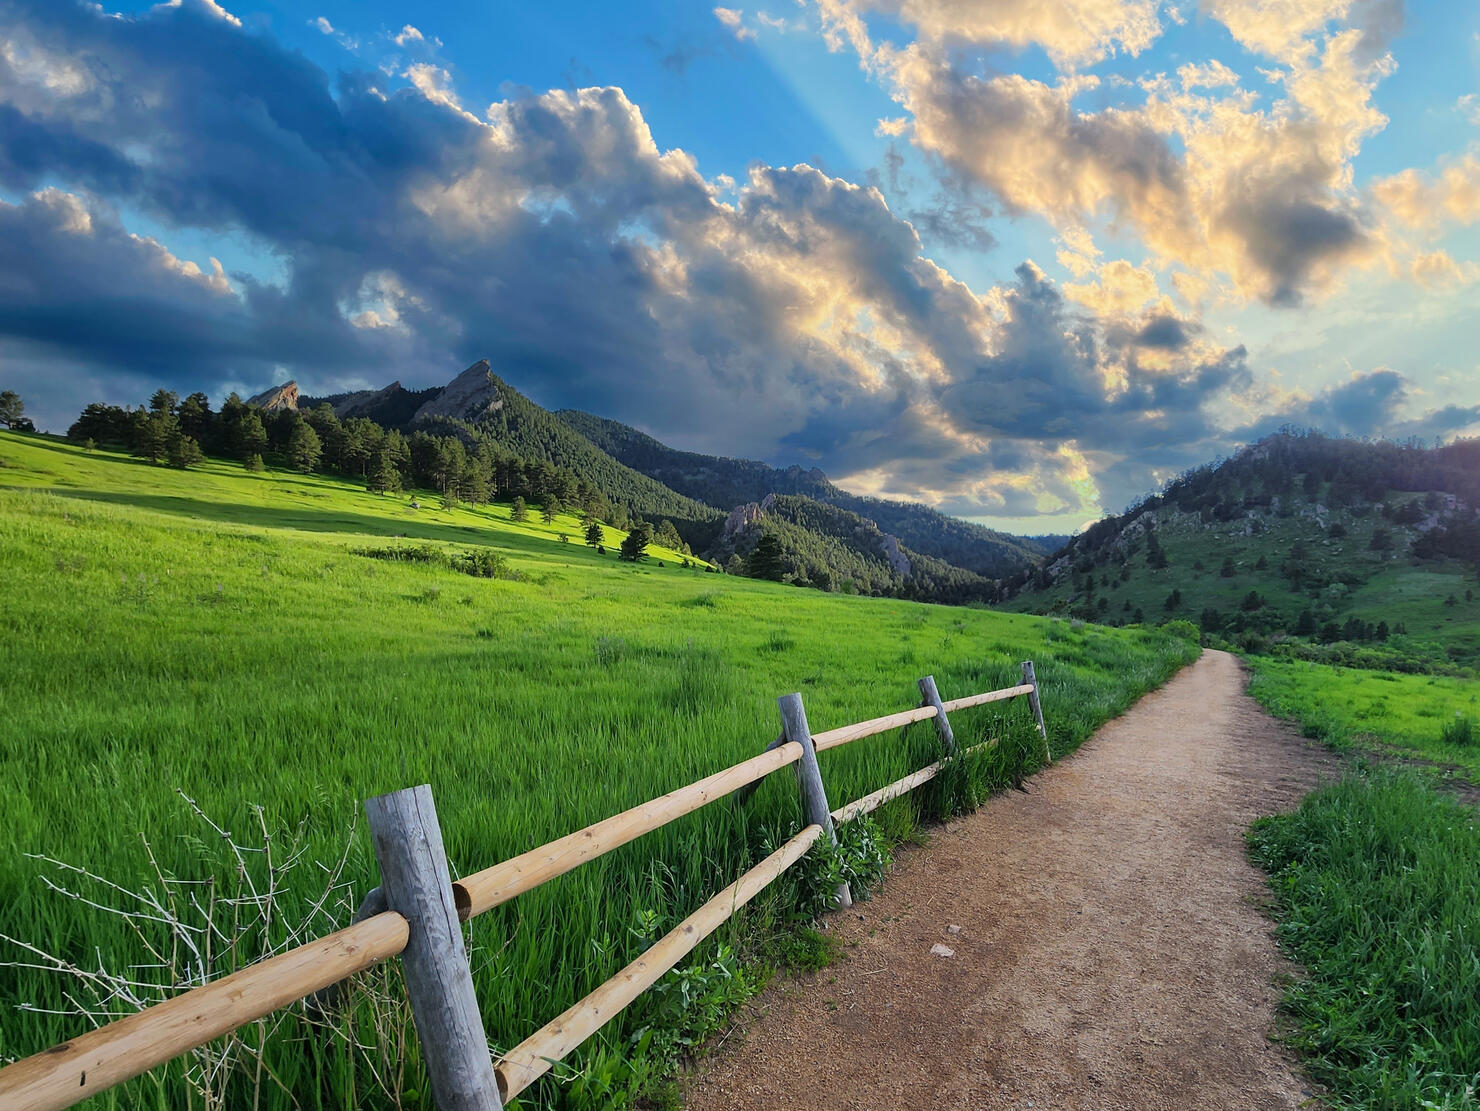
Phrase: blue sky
{"type": "Point", "coordinates": [1023, 260]}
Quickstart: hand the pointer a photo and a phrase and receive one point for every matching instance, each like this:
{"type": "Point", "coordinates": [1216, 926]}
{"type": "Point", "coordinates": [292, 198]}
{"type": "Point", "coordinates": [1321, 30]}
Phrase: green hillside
{"type": "Point", "coordinates": [1343, 551]}
{"type": "Point", "coordinates": [516, 424]}
{"type": "Point", "coordinates": [830, 548]}
{"type": "Point", "coordinates": [234, 638]}
{"type": "Point", "coordinates": [728, 483]}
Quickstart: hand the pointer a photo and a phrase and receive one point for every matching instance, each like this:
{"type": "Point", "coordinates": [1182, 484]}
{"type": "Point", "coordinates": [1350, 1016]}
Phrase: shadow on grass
{"type": "Point", "coordinates": [328, 522]}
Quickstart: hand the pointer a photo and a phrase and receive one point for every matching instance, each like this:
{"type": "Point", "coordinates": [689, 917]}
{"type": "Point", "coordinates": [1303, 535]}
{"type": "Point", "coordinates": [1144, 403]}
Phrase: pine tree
{"type": "Point", "coordinates": [764, 561]}
{"type": "Point", "coordinates": [185, 452]}
{"type": "Point", "coordinates": [635, 546]}
{"type": "Point", "coordinates": [304, 448]}
{"type": "Point", "coordinates": [153, 433]}
{"type": "Point", "coordinates": [593, 534]}
{"type": "Point", "coordinates": [248, 436]}
{"type": "Point", "coordinates": [518, 511]}
{"type": "Point", "coordinates": [667, 536]}
{"type": "Point", "coordinates": [12, 408]}
{"type": "Point", "coordinates": [384, 478]}
{"type": "Point", "coordinates": [551, 509]}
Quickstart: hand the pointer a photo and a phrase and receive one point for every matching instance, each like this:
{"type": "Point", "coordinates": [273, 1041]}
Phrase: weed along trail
{"type": "Point", "coordinates": [1108, 950]}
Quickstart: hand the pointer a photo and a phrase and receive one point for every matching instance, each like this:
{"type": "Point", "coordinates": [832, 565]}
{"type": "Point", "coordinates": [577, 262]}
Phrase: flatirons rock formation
{"type": "Point", "coordinates": [366, 403]}
{"type": "Point", "coordinates": [277, 398]}
{"type": "Point", "coordinates": [470, 396]}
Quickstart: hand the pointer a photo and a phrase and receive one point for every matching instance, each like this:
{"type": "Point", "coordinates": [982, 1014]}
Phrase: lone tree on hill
{"type": "Point", "coordinates": [764, 561]}
{"type": "Point", "coordinates": [635, 546]}
{"type": "Point", "coordinates": [12, 408]}
{"type": "Point", "coordinates": [593, 534]}
{"type": "Point", "coordinates": [304, 448]}
{"type": "Point", "coordinates": [551, 510]}
{"type": "Point", "coordinates": [518, 511]}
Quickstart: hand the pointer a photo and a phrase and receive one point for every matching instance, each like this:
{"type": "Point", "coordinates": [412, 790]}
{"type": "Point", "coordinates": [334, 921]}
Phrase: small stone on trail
{"type": "Point", "coordinates": [953, 929]}
{"type": "Point", "coordinates": [939, 950]}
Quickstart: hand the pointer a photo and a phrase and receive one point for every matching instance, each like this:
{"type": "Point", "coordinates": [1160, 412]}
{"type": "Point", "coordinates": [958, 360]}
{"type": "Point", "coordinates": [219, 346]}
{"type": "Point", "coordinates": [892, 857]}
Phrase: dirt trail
{"type": "Point", "coordinates": [1111, 952]}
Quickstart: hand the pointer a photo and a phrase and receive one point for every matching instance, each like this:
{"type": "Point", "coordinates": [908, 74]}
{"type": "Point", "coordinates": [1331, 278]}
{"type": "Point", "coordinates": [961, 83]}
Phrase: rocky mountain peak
{"type": "Point", "coordinates": [277, 398]}
{"type": "Point", "coordinates": [469, 396]}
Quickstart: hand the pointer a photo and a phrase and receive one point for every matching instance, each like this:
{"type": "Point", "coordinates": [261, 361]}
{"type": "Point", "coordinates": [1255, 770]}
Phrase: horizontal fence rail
{"type": "Point", "coordinates": [531, 1058]}
{"type": "Point", "coordinates": [100, 1059]}
{"type": "Point", "coordinates": [482, 891]}
{"type": "Point", "coordinates": [408, 847]}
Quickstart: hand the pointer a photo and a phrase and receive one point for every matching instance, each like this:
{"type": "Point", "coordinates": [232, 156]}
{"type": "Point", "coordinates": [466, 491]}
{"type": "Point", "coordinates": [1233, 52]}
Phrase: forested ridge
{"type": "Point", "coordinates": [728, 483]}
{"type": "Point", "coordinates": [1334, 549]}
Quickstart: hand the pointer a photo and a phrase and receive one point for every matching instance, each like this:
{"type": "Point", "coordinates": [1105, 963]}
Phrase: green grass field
{"type": "Point", "coordinates": [1377, 889]}
{"type": "Point", "coordinates": [1346, 707]}
{"type": "Point", "coordinates": [212, 632]}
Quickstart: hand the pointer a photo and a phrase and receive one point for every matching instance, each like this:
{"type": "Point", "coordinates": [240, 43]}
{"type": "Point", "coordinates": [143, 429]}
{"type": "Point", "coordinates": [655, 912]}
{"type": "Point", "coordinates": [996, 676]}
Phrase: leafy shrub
{"type": "Point", "coordinates": [1458, 730]}
{"type": "Point", "coordinates": [481, 563]}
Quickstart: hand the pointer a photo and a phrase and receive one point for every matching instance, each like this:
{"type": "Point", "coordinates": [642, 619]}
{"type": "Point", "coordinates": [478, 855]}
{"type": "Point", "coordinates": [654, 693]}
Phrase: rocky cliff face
{"type": "Point", "coordinates": [277, 398]}
{"type": "Point", "coordinates": [747, 516]}
{"type": "Point", "coordinates": [469, 396]}
{"type": "Point", "coordinates": [365, 402]}
{"type": "Point", "coordinates": [897, 559]}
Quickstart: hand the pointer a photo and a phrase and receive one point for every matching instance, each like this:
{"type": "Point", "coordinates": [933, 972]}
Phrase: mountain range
{"type": "Point", "coordinates": [829, 537]}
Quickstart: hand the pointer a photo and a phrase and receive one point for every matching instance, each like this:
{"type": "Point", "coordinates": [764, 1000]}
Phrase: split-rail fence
{"type": "Point", "coordinates": [418, 911]}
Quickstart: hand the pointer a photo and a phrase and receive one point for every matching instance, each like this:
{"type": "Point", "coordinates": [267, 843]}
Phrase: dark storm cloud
{"type": "Point", "coordinates": [1368, 405]}
{"type": "Point", "coordinates": [799, 321]}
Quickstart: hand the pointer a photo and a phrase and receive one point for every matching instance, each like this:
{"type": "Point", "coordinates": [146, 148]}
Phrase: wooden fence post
{"type": "Point", "coordinates": [931, 697]}
{"type": "Point", "coordinates": [1031, 679]}
{"type": "Point", "coordinates": [809, 775]}
{"type": "Point", "coordinates": [414, 878]}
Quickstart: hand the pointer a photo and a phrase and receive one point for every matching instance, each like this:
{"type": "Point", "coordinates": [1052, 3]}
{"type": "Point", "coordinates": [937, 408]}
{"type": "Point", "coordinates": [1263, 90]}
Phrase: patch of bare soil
{"type": "Point", "coordinates": [1111, 952]}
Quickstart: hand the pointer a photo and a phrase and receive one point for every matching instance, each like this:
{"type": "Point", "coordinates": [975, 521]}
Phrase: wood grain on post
{"type": "Point", "coordinates": [413, 875]}
{"type": "Point", "coordinates": [493, 886]}
{"type": "Point", "coordinates": [100, 1059]}
{"type": "Point", "coordinates": [990, 696]}
{"type": "Point", "coordinates": [1030, 679]}
{"type": "Point", "coordinates": [931, 696]}
{"type": "Point", "coordinates": [809, 777]}
{"type": "Point", "coordinates": [531, 1058]}
{"type": "Point", "coordinates": [831, 738]}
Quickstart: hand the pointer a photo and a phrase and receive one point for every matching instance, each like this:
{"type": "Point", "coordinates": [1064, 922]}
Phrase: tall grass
{"type": "Point", "coordinates": [1377, 882]}
{"type": "Point", "coordinates": [215, 633]}
{"type": "Point", "coordinates": [1416, 715]}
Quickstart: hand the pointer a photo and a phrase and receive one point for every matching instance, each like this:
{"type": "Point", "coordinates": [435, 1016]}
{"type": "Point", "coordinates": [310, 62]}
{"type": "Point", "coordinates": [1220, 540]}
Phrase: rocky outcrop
{"type": "Point", "coordinates": [745, 517]}
{"type": "Point", "coordinates": [366, 402]}
{"type": "Point", "coordinates": [469, 396]}
{"type": "Point", "coordinates": [896, 557]}
{"type": "Point", "coordinates": [276, 399]}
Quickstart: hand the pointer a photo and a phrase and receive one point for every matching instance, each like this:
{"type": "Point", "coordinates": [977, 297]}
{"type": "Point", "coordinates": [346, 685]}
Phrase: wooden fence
{"type": "Point", "coordinates": [418, 911]}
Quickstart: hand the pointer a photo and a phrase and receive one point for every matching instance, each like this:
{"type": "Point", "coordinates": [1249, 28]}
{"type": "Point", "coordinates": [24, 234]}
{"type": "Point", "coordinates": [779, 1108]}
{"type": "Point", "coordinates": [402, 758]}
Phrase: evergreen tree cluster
{"type": "Point", "coordinates": [464, 465]}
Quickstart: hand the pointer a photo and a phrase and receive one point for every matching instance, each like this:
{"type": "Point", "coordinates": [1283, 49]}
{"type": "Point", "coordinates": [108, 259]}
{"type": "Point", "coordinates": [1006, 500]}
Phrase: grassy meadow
{"type": "Point", "coordinates": [203, 680]}
{"type": "Point", "coordinates": [1419, 716]}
